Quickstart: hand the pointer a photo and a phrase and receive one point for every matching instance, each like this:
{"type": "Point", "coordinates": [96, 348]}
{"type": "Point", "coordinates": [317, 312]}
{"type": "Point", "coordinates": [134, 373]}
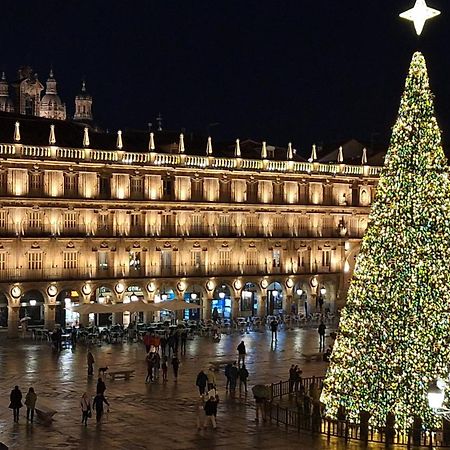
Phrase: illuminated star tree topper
{"type": "Point", "coordinates": [419, 15]}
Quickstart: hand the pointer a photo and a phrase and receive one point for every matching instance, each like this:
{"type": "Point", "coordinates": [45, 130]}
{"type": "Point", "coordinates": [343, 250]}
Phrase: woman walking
{"type": "Point", "coordinates": [175, 365]}
{"type": "Point", "coordinates": [15, 404]}
{"type": "Point", "coordinates": [85, 404]}
{"type": "Point", "coordinates": [30, 403]}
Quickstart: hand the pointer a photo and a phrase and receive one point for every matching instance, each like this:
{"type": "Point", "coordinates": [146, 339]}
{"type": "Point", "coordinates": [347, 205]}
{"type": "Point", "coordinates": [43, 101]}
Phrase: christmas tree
{"type": "Point", "coordinates": [394, 334]}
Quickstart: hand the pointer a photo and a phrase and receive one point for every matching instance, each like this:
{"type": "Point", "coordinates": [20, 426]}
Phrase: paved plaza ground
{"type": "Point", "coordinates": [147, 416]}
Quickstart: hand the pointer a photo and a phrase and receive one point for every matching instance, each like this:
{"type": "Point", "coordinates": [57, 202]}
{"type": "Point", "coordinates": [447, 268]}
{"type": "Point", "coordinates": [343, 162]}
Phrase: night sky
{"type": "Point", "coordinates": [306, 71]}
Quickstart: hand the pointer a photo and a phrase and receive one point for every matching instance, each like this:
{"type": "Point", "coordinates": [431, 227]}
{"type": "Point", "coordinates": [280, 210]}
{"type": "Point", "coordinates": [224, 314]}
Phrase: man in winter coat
{"type": "Point", "coordinates": [202, 381]}
{"type": "Point", "coordinates": [30, 403]}
{"type": "Point", "coordinates": [212, 381]}
{"type": "Point", "coordinates": [234, 374]}
{"type": "Point", "coordinates": [97, 404]}
{"type": "Point", "coordinates": [243, 377]}
{"type": "Point", "coordinates": [241, 353]}
{"type": "Point", "coordinates": [15, 399]}
{"type": "Point", "coordinates": [211, 411]}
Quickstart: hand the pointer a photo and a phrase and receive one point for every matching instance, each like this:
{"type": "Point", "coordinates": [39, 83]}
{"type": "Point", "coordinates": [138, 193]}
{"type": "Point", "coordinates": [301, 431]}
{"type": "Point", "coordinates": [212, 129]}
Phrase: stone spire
{"type": "Point", "coordinates": [151, 142]}
{"type": "Point", "coordinates": [52, 135]}
{"type": "Point", "coordinates": [209, 149]}
{"type": "Point", "coordinates": [264, 150]}
{"type": "Point", "coordinates": [83, 106]}
{"type": "Point", "coordinates": [290, 153]}
{"type": "Point", "coordinates": [51, 105]}
{"type": "Point", "coordinates": [17, 132]}
{"type": "Point", "coordinates": [119, 143]}
{"type": "Point", "coordinates": [86, 141]}
{"type": "Point", "coordinates": [340, 155]}
{"type": "Point", "coordinates": [364, 157]}
{"type": "Point", "coordinates": [181, 148]}
{"type": "Point", "coordinates": [313, 154]}
{"type": "Point", "coordinates": [237, 149]}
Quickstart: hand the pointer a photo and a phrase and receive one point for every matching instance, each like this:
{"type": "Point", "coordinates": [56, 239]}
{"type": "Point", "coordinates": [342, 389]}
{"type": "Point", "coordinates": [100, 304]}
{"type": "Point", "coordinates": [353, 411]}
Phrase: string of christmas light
{"type": "Point", "coordinates": [394, 334]}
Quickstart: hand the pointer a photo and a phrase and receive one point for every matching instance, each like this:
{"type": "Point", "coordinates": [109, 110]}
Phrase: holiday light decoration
{"type": "Point", "coordinates": [394, 334]}
{"type": "Point", "coordinates": [419, 15]}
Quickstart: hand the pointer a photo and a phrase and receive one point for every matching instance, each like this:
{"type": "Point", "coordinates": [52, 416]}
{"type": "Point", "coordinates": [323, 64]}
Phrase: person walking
{"type": "Point", "coordinates": [90, 363]}
{"type": "Point", "coordinates": [15, 404]}
{"type": "Point", "coordinates": [156, 365]}
{"type": "Point", "coordinates": [234, 374]}
{"type": "Point", "coordinates": [243, 377]}
{"type": "Point", "coordinates": [149, 360]}
{"type": "Point", "coordinates": [292, 375]}
{"type": "Point", "coordinates": [274, 329]}
{"type": "Point", "coordinates": [211, 411]}
{"type": "Point", "coordinates": [321, 330]}
{"type": "Point", "coordinates": [163, 344]}
{"type": "Point", "coordinates": [241, 353]}
{"type": "Point", "coordinates": [85, 404]}
{"type": "Point", "coordinates": [97, 404]}
{"type": "Point", "coordinates": [175, 366]}
{"type": "Point", "coordinates": [147, 342]}
{"type": "Point", "coordinates": [101, 386]}
{"type": "Point", "coordinates": [212, 380]}
{"type": "Point", "coordinates": [201, 382]}
{"type": "Point", "coordinates": [261, 393]}
{"type": "Point", "coordinates": [297, 378]}
{"type": "Point", "coordinates": [164, 368]}
{"type": "Point", "coordinates": [201, 417]}
{"type": "Point", "coordinates": [227, 375]}
{"type": "Point", "coordinates": [184, 337]}
{"type": "Point", "coordinates": [30, 403]}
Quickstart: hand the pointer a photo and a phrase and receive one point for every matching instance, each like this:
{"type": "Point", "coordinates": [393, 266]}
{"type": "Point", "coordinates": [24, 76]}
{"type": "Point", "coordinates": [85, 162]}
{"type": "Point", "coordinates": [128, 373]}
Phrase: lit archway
{"type": "Point", "coordinates": [31, 310]}
{"type": "Point", "coordinates": [275, 299]}
{"type": "Point", "coordinates": [66, 299]}
{"type": "Point", "coordinates": [249, 301]}
{"type": "Point", "coordinates": [221, 304]}
{"type": "Point", "coordinates": [194, 294]}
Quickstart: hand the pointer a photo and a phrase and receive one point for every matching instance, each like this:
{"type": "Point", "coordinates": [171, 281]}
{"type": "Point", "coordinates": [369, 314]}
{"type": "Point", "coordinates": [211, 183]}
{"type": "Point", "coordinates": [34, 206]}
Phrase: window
{"type": "Point", "coordinates": [166, 259]}
{"type": "Point", "coordinates": [251, 224]}
{"type": "Point", "coordinates": [3, 221]}
{"type": "Point", "coordinates": [105, 187]}
{"type": "Point", "coordinates": [36, 182]}
{"type": "Point", "coordinates": [326, 258]}
{"type": "Point", "coordinates": [135, 260]}
{"type": "Point", "coordinates": [70, 259]}
{"type": "Point", "coordinates": [224, 258]}
{"type": "Point", "coordinates": [224, 223]}
{"type": "Point", "coordinates": [167, 187]}
{"type": "Point", "coordinates": [3, 261]}
{"type": "Point", "coordinates": [103, 260]}
{"type": "Point", "coordinates": [196, 258]}
{"type": "Point", "coordinates": [3, 182]}
{"type": "Point", "coordinates": [276, 258]}
{"type": "Point", "coordinates": [196, 222]}
{"type": "Point", "coordinates": [136, 188]}
{"type": "Point", "coordinates": [35, 260]}
{"type": "Point", "coordinates": [70, 220]}
{"type": "Point", "coordinates": [70, 184]}
{"type": "Point", "coordinates": [34, 220]}
{"type": "Point", "coordinates": [251, 258]}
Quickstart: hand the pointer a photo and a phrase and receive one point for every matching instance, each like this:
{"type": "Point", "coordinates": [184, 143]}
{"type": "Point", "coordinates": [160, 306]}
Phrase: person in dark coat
{"type": "Point", "coordinates": [211, 411]}
{"type": "Point", "coordinates": [101, 386]}
{"type": "Point", "coordinates": [30, 402]}
{"type": "Point", "coordinates": [175, 365]}
{"type": "Point", "coordinates": [15, 399]}
{"type": "Point", "coordinates": [202, 381]}
{"type": "Point", "coordinates": [243, 377]}
{"type": "Point", "coordinates": [241, 353]}
{"type": "Point", "coordinates": [234, 374]}
{"type": "Point", "coordinates": [97, 404]}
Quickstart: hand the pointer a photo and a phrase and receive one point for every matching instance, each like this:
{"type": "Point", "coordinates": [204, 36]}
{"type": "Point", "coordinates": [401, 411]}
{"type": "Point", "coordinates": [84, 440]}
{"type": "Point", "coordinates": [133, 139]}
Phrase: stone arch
{"type": "Point", "coordinates": [250, 300]}
{"type": "Point", "coordinates": [32, 304]}
{"type": "Point", "coordinates": [67, 296]}
{"type": "Point", "coordinates": [302, 297]}
{"type": "Point", "coordinates": [276, 298]}
{"type": "Point", "coordinates": [201, 298]}
{"type": "Point", "coordinates": [222, 301]}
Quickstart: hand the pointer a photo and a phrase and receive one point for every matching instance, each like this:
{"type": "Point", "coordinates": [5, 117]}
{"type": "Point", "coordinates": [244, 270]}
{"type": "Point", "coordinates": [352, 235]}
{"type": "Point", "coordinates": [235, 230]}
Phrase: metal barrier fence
{"type": "Point", "coordinates": [313, 422]}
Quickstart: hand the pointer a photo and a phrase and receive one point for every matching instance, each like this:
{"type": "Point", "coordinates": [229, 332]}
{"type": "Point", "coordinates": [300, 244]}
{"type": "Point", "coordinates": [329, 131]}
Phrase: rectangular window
{"type": "Point", "coordinates": [326, 258]}
{"type": "Point", "coordinates": [70, 220]}
{"type": "Point", "coordinates": [105, 187]}
{"type": "Point", "coordinates": [36, 182]}
{"type": "Point", "coordinates": [35, 220]}
{"type": "Point", "coordinates": [196, 258]}
{"type": "Point", "coordinates": [3, 261]}
{"type": "Point", "coordinates": [35, 260]}
{"type": "Point", "coordinates": [3, 220]}
{"type": "Point", "coordinates": [167, 187]}
{"type": "Point", "coordinates": [251, 258]}
{"type": "Point", "coordinates": [137, 188]}
{"type": "Point", "coordinates": [70, 184]}
{"type": "Point", "coordinates": [70, 260]}
{"type": "Point", "coordinates": [3, 182]}
{"type": "Point", "coordinates": [251, 224]}
{"type": "Point", "coordinates": [166, 259]}
{"type": "Point", "coordinates": [224, 258]}
{"type": "Point", "coordinates": [103, 260]}
{"type": "Point", "coordinates": [196, 222]}
{"type": "Point", "coordinates": [276, 258]}
{"type": "Point", "coordinates": [135, 260]}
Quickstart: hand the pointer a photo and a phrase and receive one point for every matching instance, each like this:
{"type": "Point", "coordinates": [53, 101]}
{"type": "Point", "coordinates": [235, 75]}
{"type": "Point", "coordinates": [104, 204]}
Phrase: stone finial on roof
{"type": "Point", "coordinates": [340, 155]}
{"type": "Point", "coordinates": [313, 154]}
{"type": "Point", "coordinates": [17, 132]}
{"type": "Point", "coordinates": [52, 136]}
{"type": "Point", "coordinates": [151, 142]}
{"type": "Point", "coordinates": [290, 153]}
{"type": "Point", "coordinates": [264, 150]}
{"type": "Point", "coordinates": [364, 157]}
{"type": "Point", "coordinates": [119, 142]}
{"type": "Point", "coordinates": [209, 149]}
{"type": "Point", "coordinates": [86, 141]}
{"type": "Point", "coordinates": [237, 149]}
{"type": "Point", "coordinates": [181, 148]}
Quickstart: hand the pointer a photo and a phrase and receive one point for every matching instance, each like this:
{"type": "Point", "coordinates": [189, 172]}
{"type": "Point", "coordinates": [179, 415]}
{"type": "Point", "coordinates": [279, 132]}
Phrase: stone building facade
{"type": "Point", "coordinates": [244, 236]}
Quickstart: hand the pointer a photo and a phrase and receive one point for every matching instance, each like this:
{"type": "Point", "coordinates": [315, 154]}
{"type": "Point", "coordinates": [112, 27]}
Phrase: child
{"type": "Point", "coordinates": [164, 368]}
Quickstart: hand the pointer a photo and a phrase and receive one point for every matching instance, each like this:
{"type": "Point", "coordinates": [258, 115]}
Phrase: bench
{"type": "Point", "coordinates": [44, 413]}
{"type": "Point", "coordinates": [312, 356]}
{"type": "Point", "coordinates": [125, 373]}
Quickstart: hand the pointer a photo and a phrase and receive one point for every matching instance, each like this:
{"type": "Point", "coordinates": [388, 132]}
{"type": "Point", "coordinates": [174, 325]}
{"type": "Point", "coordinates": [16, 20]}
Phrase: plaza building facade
{"type": "Point", "coordinates": [98, 221]}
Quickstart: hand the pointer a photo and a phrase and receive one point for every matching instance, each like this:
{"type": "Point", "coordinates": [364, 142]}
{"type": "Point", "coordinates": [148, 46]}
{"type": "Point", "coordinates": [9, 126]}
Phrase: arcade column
{"type": "Point", "coordinates": [49, 316]}
{"type": "Point", "coordinates": [13, 321]}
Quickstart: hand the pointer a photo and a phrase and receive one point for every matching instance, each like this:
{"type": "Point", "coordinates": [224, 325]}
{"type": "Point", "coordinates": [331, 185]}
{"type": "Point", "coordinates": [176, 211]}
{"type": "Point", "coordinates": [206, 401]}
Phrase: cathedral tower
{"type": "Point", "coordinates": [83, 106]}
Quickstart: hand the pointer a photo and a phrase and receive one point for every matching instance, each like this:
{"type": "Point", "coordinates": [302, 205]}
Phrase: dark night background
{"type": "Point", "coordinates": [306, 71]}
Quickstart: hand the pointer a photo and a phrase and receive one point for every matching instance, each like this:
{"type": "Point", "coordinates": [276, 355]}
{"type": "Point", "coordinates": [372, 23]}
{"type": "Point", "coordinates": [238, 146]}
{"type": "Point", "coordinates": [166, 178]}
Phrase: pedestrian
{"type": "Point", "coordinates": [85, 404]}
{"type": "Point", "coordinates": [175, 365]}
{"type": "Point", "coordinates": [30, 403]}
{"type": "Point", "coordinates": [211, 411]}
{"type": "Point", "coordinates": [234, 374]}
{"type": "Point", "coordinates": [201, 382]}
{"type": "Point", "coordinates": [261, 393]}
{"type": "Point", "coordinates": [99, 399]}
{"type": "Point", "coordinates": [241, 353]}
{"type": "Point", "coordinates": [176, 341]}
{"type": "Point", "coordinates": [321, 330]}
{"type": "Point", "coordinates": [171, 343]}
{"type": "Point", "coordinates": [149, 360]}
{"type": "Point", "coordinates": [73, 336]}
{"type": "Point", "coordinates": [147, 342]}
{"type": "Point", "coordinates": [101, 386]}
{"type": "Point", "coordinates": [212, 381]}
{"type": "Point", "coordinates": [297, 378]}
{"type": "Point", "coordinates": [243, 377]}
{"type": "Point", "coordinates": [156, 365]}
{"type": "Point", "coordinates": [292, 376]}
{"type": "Point", "coordinates": [227, 375]}
{"type": "Point", "coordinates": [274, 329]}
{"type": "Point", "coordinates": [184, 337]}
{"type": "Point", "coordinates": [163, 344]}
{"type": "Point", "coordinates": [15, 399]}
{"type": "Point", "coordinates": [90, 363]}
{"type": "Point", "coordinates": [164, 368]}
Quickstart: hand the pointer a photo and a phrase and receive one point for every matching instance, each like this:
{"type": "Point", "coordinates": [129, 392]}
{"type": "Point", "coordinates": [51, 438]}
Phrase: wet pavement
{"type": "Point", "coordinates": [158, 415]}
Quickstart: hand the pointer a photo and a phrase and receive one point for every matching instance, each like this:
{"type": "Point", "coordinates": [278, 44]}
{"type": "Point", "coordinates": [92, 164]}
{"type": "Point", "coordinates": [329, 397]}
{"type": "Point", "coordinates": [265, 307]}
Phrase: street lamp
{"type": "Point", "coordinates": [299, 292]}
{"type": "Point", "coordinates": [323, 291]}
{"type": "Point", "coordinates": [32, 302]}
{"type": "Point", "coordinates": [274, 294]}
{"type": "Point", "coordinates": [164, 296]}
{"type": "Point", "coordinates": [193, 296]}
{"type": "Point", "coordinates": [221, 295]}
